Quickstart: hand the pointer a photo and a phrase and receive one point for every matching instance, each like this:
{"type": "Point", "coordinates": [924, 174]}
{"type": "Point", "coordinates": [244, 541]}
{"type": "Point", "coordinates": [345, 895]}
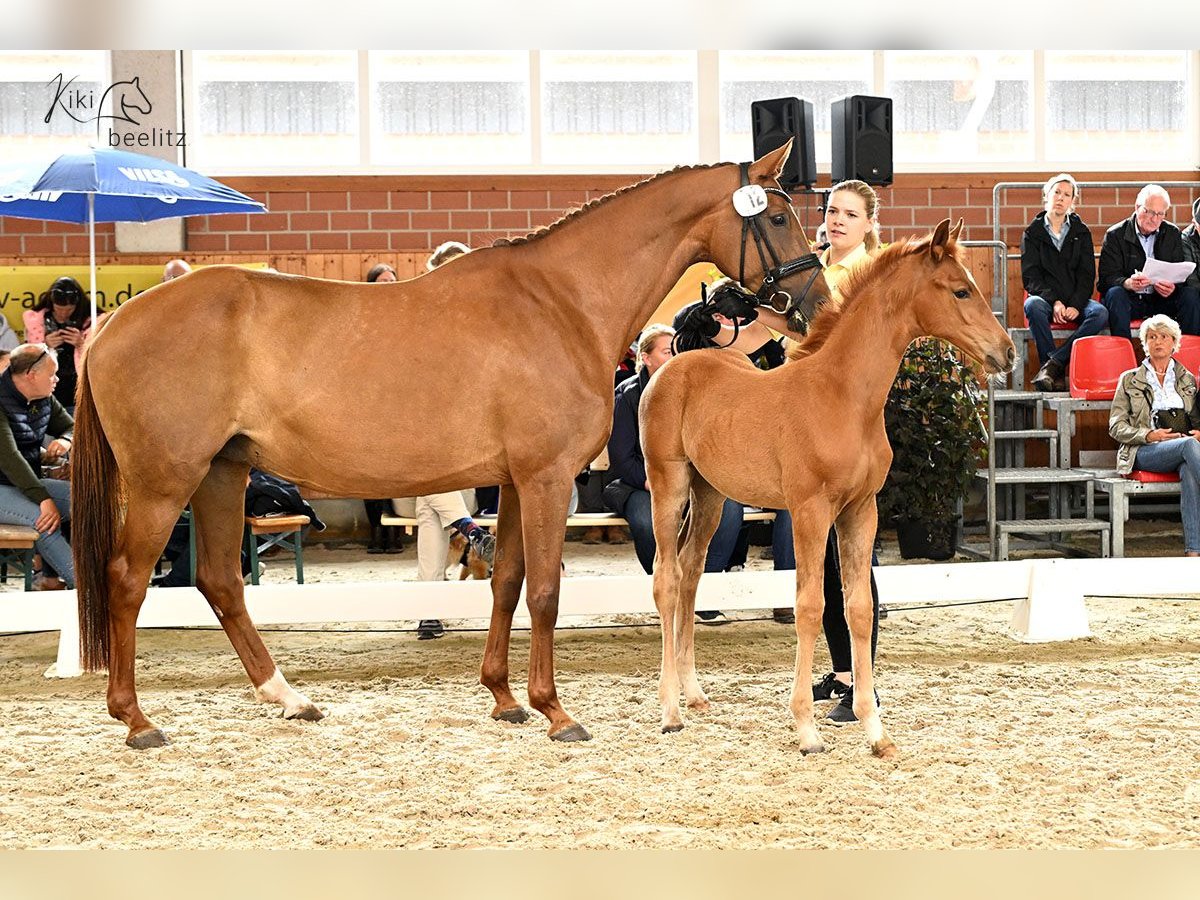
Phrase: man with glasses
{"type": "Point", "coordinates": [30, 413]}
{"type": "Point", "coordinates": [1127, 293]}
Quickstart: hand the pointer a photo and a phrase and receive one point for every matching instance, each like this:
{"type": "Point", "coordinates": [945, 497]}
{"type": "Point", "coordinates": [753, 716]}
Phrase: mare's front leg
{"type": "Point", "coordinates": [507, 575]}
{"type": "Point", "coordinates": [856, 535]}
{"type": "Point", "coordinates": [667, 500]}
{"type": "Point", "coordinates": [218, 507]}
{"type": "Point", "coordinates": [544, 500]}
{"type": "Point", "coordinates": [810, 528]}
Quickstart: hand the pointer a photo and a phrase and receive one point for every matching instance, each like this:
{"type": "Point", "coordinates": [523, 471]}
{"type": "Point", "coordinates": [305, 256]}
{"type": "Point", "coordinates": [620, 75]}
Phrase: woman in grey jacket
{"type": "Point", "coordinates": [1155, 420]}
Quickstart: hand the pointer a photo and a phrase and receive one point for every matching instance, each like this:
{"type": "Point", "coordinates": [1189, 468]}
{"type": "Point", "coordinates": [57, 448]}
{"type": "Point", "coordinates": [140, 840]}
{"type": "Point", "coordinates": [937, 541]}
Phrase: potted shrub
{"type": "Point", "coordinates": [934, 424]}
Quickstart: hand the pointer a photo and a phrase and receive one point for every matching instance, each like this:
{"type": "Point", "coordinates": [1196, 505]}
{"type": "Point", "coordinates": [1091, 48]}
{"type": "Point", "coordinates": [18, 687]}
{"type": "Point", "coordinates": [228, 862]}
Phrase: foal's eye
{"type": "Point", "coordinates": [780, 219]}
{"type": "Point", "coordinates": [962, 294]}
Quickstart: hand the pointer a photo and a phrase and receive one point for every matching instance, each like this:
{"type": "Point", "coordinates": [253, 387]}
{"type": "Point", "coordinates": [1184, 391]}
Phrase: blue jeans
{"type": "Point", "coordinates": [1124, 306]}
{"type": "Point", "coordinates": [17, 509]}
{"type": "Point", "coordinates": [641, 526]}
{"type": "Point", "coordinates": [1040, 314]}
{"type": "Point", "coordinates": [1180, 455]}
{"type": "Point", "coordinates": [783, 547]}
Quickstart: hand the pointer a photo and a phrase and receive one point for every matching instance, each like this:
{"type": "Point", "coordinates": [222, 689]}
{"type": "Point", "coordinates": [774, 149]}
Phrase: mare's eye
{"type": "Point", "coordinates": [962, 294]}
{"type": "Point", "coordinates": [780, 219]}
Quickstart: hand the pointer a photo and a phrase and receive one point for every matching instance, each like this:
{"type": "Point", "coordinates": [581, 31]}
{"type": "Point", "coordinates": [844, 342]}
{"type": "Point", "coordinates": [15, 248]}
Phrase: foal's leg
{"type": "Point", "coordinates": [544, 501]}
{"type": "Point", "coordinates": [218, 506]}
{"type": "Point", "coordinates": [667, 500]}
{"type": "Point", "coordinates": [507, 575]}
{"type": "Point", "coordinates": [703, 518]}
{"type": "Point", "coordinates": [856, 534]}
{"type": "Point", "coordinates": [149, 519]}
{"type": "Point", "coordinates": [810, 529]}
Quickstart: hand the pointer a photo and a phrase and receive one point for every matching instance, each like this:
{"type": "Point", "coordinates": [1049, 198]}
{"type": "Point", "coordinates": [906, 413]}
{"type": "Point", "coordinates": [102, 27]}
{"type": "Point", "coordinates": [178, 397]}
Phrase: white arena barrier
{"type": "Point", "coordinates": [1052, 591]}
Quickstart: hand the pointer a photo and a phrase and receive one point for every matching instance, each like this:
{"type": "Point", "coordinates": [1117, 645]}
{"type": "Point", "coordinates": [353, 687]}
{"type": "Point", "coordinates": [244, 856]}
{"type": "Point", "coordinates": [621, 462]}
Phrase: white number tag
{"type": "Point", "coordinates": [749, 200]}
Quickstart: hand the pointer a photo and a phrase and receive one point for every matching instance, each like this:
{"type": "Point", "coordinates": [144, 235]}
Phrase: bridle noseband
{"type": "Point", "coordinates": [769, 292]}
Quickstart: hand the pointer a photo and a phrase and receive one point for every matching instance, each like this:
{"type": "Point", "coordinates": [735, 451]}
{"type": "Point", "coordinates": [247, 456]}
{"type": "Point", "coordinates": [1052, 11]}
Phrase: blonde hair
{"type": "Point", "coordinates": [646, 340]}
{"type": "Point", "coordinates": [870, 200]}
{"type": "Point", "coordinates": [1163, 325]}
{"type": "Point", "coordinates": [1048, 188]}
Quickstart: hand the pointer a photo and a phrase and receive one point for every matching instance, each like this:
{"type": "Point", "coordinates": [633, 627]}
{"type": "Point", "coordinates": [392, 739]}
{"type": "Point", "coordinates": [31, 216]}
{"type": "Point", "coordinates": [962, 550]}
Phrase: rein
{"type": "Point", "coordinates": [769, 293]}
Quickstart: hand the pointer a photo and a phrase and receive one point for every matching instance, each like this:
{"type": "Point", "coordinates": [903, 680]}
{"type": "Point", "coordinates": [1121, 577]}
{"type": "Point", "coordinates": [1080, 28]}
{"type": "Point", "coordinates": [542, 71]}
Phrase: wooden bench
{"type": "Point", "coordinates": [579, 520]}
{"type": "Point", "coordinates": [281, 531]}
{"type": "Point", "coordinates": [16, 547]}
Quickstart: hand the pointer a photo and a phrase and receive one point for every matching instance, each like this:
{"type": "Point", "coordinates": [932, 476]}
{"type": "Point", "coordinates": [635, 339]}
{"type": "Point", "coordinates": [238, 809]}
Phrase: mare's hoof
{"type": "Point", "coordinates": [885, 749]}
{"type": "Point", "coordinates": [671, 729]}
{"type": "Point", "coordinates": [517, 715]}
{"type": "Point", "coordinates": [147, 740]}
{"type": "Point", "coordinates": [574, 732]}
{"type": "Point", "coordinates": [815, 748]}
{"type": "Point", "coordinates": [307, 713]}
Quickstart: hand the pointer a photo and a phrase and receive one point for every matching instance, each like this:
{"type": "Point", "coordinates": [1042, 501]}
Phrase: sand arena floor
{"type": "Point", "coordinates": [1092, 743]}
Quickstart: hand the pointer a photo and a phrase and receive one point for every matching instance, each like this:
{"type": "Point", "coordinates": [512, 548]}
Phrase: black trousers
{"type": "Point", "coordinates": [837, 632]}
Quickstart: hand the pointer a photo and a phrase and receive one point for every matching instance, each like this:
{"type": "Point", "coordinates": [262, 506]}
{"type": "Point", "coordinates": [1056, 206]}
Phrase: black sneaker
{"type": "Point", "coordinates": [428, 629]}
{"type": "Point", "coordinates": [483, 542]}
{"type": "Point", "coordinates": [829, 687]}
{"type": "Point", "coordinates": [784, 615]}
{"type": "Point", "coordinates": [843, 713]}
{"type": "Point", "coordinates": [712, 617]}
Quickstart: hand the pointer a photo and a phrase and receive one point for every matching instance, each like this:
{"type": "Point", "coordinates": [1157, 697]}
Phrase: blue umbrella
{"type": "Point", "coordinates": [102, 185]}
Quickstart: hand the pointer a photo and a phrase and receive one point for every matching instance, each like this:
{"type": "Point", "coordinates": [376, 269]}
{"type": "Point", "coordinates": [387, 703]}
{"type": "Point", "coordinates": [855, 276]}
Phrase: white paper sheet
{"type": "Point", "coordinates": [1175, 273]}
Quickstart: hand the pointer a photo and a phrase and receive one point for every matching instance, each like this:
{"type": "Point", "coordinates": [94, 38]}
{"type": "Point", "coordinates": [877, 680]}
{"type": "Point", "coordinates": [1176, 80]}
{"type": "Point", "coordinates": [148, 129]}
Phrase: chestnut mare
{"type": "Point", "coordinates": [357, 390]}
{"type": "Point", "coordinates": [807, 437]}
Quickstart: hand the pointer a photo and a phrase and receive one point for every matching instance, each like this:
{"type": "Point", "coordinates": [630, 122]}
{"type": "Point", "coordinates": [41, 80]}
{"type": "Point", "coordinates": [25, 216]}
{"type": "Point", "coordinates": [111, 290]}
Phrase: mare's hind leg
{"type": "Point", "coordinates": [149, 519]}
{"type": "Point", "coordinates": [544, 501]}
{"type": "Point", "coordinates": [703, 518]}
{"type": "Point", "coordinates": [856, 534]}
{"type": "Point", "coordinates": [507, 575]}
{"type": "Point", "coordinates": [810, 529]}
{"type": "Point", "coordinates": [218, 506]}
{"type": "Point", "coordinates": [670, 481]}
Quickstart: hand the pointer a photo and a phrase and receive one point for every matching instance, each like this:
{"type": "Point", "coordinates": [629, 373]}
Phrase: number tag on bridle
{"type": "Point", "coordinates": [749, 200]}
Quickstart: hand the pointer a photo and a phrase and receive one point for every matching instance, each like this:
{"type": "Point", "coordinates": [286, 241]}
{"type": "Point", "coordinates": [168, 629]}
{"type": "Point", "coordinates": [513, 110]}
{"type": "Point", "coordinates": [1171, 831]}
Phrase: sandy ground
{"type": "Point", "coordinates": [1092, 743]}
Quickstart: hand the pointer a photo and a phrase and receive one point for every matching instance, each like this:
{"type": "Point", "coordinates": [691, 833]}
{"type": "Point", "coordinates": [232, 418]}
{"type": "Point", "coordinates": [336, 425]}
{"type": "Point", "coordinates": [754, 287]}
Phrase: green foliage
{"type": "Point", "coordinates": [934, 426]}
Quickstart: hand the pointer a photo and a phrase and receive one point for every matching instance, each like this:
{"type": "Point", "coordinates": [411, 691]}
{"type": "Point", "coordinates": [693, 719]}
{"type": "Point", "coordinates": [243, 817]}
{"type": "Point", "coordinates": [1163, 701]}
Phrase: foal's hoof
{"type": "Point", "coordinates": [574, 732]}
{"type": "Point", "coordinates": [147, 740]}
{"type": "Point", "coordinates": [813, 748]}
{"type": "Point", "coordinates": [307, 713]}
{"type": "Point", "coordinates": [517, 715]}
{"type": "Point", "coordinates": [699, 705]}
{"type": "Point", "coordinates": [671, 729]}
{"type": "Point", "coordinates": [885, 749]}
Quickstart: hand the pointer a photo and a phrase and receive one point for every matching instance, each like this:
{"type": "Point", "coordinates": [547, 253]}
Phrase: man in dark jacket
{"type": "Point", "coordinates": [1127, 293]}
{"type": "Point", "coordinates": [1059, 273]}
{"type": "Point", "coordinates": [1191, 247]}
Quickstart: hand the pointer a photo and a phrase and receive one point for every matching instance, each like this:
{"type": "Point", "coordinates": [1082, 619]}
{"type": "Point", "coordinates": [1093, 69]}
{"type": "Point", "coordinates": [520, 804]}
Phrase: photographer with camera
{"type": "Point", "coordinates": [1155, 420]}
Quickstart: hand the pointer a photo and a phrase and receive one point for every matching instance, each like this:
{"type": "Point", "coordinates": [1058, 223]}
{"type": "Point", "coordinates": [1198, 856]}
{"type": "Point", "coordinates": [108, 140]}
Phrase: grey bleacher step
{"type": "Point", "coordinates": [1037, 475]}
{"type": "Point", "coordinates": [1047, 526]}
{"type": "Point", "coordinates": [1027, 434]}
{"type": "Point", "coordinates": [1013, 395]}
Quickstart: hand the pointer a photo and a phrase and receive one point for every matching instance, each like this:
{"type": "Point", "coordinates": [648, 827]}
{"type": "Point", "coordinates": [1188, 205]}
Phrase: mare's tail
{"type": "Point", "coordinates": [95, 514]}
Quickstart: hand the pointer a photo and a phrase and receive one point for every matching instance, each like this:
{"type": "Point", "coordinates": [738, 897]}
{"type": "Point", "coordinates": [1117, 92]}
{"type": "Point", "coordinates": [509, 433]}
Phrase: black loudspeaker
{"type": "Point", "coordinates": [772, 122]}
{"type": "Point", "coordinates": [862, 139]}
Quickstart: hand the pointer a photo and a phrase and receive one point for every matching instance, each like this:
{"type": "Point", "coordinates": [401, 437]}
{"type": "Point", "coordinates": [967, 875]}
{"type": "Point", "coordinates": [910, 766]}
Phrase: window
{"type": "Point", "coordinates": [619, 108]}
{"type": "Point", "coordinates": [288, 108]}
{"type": "Point", "coordinates": [29, 86]}
{"type": "Point", "coordinates": [819, 78]}
{"type": "Point", "coordinates": [446, 108]}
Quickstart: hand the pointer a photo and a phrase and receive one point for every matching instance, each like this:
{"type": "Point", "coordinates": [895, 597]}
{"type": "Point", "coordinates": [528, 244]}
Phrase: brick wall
{"type": "Point", "coordinates": [414, 213]}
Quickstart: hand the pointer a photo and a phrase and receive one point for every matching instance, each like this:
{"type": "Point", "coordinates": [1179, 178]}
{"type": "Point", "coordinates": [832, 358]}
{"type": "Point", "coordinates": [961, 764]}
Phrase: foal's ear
{"type": "Point", "coordinates": [770, 165]}
{"type": "Point", "coordinates": [942, 238]}
{"type": "Point", "coordinates": [956, 231]}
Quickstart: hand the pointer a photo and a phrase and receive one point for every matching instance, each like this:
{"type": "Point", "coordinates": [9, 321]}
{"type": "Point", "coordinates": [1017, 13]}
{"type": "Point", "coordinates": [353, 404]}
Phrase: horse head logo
{"type": "Point", "coordinates": [127, 97]}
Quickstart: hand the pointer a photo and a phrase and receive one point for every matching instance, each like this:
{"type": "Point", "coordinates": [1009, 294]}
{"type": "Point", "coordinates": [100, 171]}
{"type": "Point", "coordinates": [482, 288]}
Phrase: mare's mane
{"type": "Point", "coordinates": [574, 214]}
{"type": "Point", "coordinates": [878, 267]}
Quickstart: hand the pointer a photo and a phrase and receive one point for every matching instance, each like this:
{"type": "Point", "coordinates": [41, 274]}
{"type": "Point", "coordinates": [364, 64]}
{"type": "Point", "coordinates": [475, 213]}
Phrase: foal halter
{"type": "Point", "coordinates": [751, 205]}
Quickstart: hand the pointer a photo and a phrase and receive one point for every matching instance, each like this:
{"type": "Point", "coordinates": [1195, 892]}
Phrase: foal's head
{"type": "Point", "coordinates": [791, 281]}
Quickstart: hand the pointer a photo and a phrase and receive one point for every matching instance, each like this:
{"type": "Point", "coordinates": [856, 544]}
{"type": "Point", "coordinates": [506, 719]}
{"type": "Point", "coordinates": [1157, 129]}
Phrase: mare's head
{"type": "Point", "coordinates": [947, 302]}
{"type": "Point", "coordinates": [757, 238]}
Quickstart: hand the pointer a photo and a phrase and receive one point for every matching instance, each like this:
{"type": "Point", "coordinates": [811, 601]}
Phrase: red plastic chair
{"type": "Point", "coordinates": [1189, 353]}
{"type": "Point", "coordinates": [1096, 366]}
{"type": "Point", "coordinates": [1149, 477]}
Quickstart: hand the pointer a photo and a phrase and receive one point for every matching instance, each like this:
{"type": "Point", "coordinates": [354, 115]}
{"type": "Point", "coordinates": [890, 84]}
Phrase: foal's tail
{"type": "Point", "coordinates": [95, 514]}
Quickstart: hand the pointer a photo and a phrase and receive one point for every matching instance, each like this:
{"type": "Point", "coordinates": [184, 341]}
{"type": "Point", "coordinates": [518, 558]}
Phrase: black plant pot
{"type": "Point", "coordinates": [928, 540]}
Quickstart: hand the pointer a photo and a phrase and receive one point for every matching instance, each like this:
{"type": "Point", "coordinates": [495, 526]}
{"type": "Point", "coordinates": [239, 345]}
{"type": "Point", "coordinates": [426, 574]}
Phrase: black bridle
{"type": "Point", "coordinates": [769, 292]}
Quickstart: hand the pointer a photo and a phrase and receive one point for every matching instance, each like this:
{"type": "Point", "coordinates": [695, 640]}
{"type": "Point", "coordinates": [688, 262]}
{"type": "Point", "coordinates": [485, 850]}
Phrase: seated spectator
{"type": "Point", "coordinates": [1058, 270]}
{"type": "Point", "coordinates": [1126, 292]}
{"type": "Point", "coordinates": [174, 269]}
{"type": "Point", "coordinates": [1156, 421]}
{"type": "Point", "coordinates": [384, 538]}
{"type": "Point", "coordinates": [628, 493]}
{"type": "Point", "coordinates": [61, 320]}
{"type": "Point", "coordinates": [31, 412]}
{"type": "Point", "coordinates": [1191, 247]}
{"type": "Point", "coordinates": [8, 338]}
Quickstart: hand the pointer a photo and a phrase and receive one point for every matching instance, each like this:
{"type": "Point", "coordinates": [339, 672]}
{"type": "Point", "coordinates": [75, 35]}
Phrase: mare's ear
{"type": "Point", "coordinates": [956, 231]}
{"type": "Point", "coordinates": [941, 238]}
{"type": "Point", "coordinates": [770, 165]}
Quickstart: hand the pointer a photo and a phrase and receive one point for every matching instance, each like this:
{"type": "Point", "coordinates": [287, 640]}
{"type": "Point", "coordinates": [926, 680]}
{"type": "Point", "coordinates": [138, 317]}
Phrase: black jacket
{"type": "Point", "coordinates": [23, 427]}
{"type": "Point", "coordinates": [1069, 274]}
{"type": "Point", "coordinates": [1122, 253]}
{"type": "Point", "coordinates": [1191, 253]}
{"type": "Point", "coordinates": [625, 460]}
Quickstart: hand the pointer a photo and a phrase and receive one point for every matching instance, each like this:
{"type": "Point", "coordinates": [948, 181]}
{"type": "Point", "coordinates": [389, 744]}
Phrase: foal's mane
{"type": "Point", "coordinates": [574, 214]}
{"type": "Point", "coordinates": [861, 279]}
